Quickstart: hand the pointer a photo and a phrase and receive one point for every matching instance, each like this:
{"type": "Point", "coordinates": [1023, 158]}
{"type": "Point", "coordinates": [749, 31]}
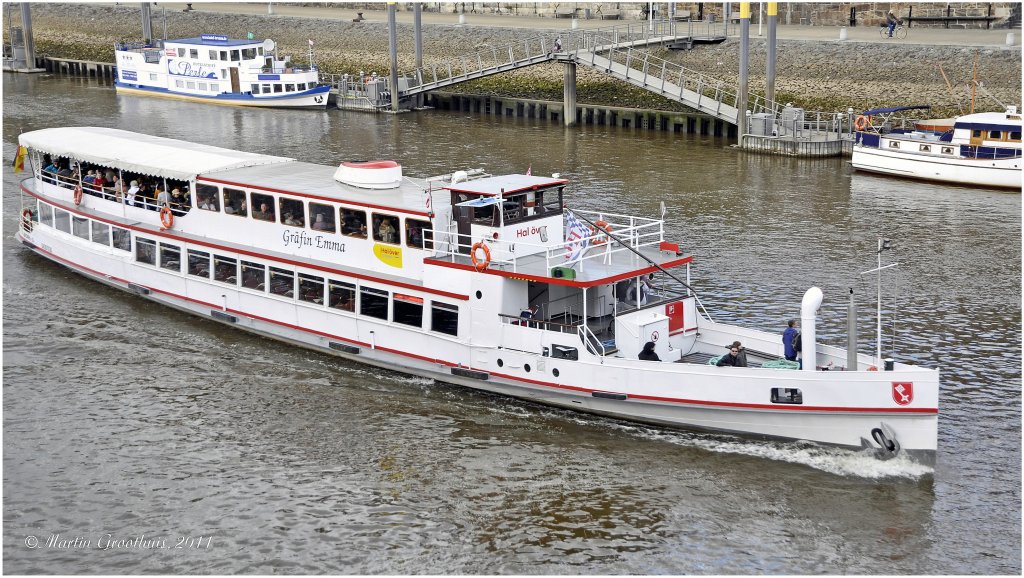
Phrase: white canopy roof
{"type": "Point", "coordinates": [140, 153]}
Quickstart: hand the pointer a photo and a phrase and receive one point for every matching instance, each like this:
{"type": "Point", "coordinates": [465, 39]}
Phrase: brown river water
{"type": "Point", "coordinates": [129, 427]}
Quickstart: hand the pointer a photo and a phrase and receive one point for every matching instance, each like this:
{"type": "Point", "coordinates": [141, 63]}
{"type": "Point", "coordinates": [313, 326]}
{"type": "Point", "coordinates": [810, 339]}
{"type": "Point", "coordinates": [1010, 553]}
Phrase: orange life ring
{"type": "Point", "coordinates": [166, 218]}
{"type": "Point", "coordinates": [872, 368]}
{"type": "Point", "coordinates": [480, 265]}
{"type": "Point", "coordinates": [77, 195]}
{"type": "Point", "coordinates": [601, 226]}
{"type": "Point", "coordinates": [861, 122]}
{"type": "Point", "coordinates": [26, 217]}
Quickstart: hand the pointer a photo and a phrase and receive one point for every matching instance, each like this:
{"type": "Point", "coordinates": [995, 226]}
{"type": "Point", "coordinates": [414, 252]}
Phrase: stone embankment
{"type": "Point", "coordinates": [819, 76]}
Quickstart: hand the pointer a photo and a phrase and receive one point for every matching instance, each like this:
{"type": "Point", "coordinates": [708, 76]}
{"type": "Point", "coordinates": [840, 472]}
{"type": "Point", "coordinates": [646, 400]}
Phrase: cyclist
{"type": "Point", "coordinates": [891, 21]}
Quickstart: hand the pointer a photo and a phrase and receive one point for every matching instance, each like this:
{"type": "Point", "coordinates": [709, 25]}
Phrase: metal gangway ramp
{"type": "Point", "coordinates": [619, 51]}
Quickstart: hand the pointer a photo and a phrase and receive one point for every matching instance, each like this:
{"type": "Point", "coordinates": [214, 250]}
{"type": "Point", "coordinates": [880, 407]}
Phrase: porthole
{"type": "Point", "coordinates": [526, 366]}
{"type": "Point", "coordinates": [554, 372]}
{"type": "Point", "coordinates": [479, 295]}
{"type": "Point", "coordinates": [501, 363]}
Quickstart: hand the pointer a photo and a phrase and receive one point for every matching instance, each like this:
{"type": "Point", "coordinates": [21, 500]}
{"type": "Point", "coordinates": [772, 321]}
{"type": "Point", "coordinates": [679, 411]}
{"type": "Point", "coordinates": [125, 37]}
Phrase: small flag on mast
{"type": "Point", "coordinates": [311, 44]}
{"type": "Point", "coordinates": [19, 159]}
{"type": "Point", "coordinates": [529, 170]}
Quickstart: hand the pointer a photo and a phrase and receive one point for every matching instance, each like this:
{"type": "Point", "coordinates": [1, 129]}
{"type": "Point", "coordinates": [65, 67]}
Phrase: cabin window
{"type": "Point", "coordinates": [444, 318]}
{"type": "Point", "coordinates": [223, 55]}
{"type": "Point", "coordinates": [418, 234]}
{"type": "Point", "coordinates": [170, 257]}
{"type": "Point", "coordinates": [80, 227]}
{"type": "Point", "coordinates": [206, 196]}
{"type": "Point", "coordinates": [321, 218]}
{"type": "Point", "coordinates": [1015, 135]}
{"type": "Point", "coordinates": [234, 202]}
{"type": "Point", "coordinates": [153, 76]}
{"type": "Point", "coordinates": [300, 86]}
{"type": "Point", "coordinates": [894, 145]}
{"type": "Point", "coordinates": [373, 302]}
{"type": "Point", "coordinates": [145, 251]}
{"type": "Point", "coordinates": [45, 214]}
{"type": "Point", "coordinates": [214, 87]}
{"type": "Point", "coordinates": [289, 88]}
{"type": "Point", "coordinates": [408, 310]}
{"type": "Point", "coordinates": [995, 135]}
{"type": "Point", "coordinates": [282, 282]}
{"type": "Point", "coordinates": [259, 50]}
{"type": "Point", "coordinates": [213, 55]}
{"type": "Point", "coordinates": [262, 207]}
{"type": "Point", "coordinates": [976, 133]}
{"type": "Point", "coordinates": [342, 295]}
{"type": "Point", "coordinates": [293, 213]}
{"type": "Point", "coordinates": [254, 275]}
{"type": "Point", "coordinates": [122, 238]}
{"type": "Point", "coordinates": [179, 83]}
{"type": "Point", "coordinates": [225, 269]}
{"type": "Point", "coordinates": [255, 89]}
{"type": "Point", "coordinates": [353, 223]}
{"type": "Point", "coordinates": [787, 395]}
{"type": "Point", "coordinates": [925, 148]}
{"type": "Point", "coordinates": [190, 85]}
{"type": "Point", "coordinates": [266, 89]}
{"type": "Point", "coordinates": [385, 229]}
{"type": "Point", "coordinates": [193, 53]}
{"type": "Point", "coordinates": [199, 263]}
{"type": "Point", "coordinates": [947, 150]}
{"type": "Point", "coordinates": [100, 233]}
{"type": "Point", "coordinates": [248, 53]}
{"type": "Point", "coordinates": [311, 288]}
{"type": "Point", "coordinates": [278, 88]}
{"type": "Point", "coordinates": [62, 220]}
{"type": "Point", "coordinates": [181, 53]}
{"type": "Point", "coordinates": [234, 56]}
{"type": "Point", "coordinates": [202, 86]}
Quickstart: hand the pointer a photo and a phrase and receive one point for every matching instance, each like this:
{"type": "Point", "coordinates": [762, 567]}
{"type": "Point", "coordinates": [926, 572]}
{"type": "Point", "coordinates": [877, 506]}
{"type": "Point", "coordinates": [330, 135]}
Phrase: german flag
{"type": "Point", "coordinates": [19, 159]}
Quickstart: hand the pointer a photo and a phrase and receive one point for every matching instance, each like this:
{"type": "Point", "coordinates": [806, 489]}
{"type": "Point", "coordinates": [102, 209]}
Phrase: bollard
{"type": "Point", "coordinates": [842, 33]}
{"type": "Point", "coordinates": [462, 18]}
{"type": "Point", "coordinates": [1009, 39]}
{"type": "Point", "coordinates": [575, 24]}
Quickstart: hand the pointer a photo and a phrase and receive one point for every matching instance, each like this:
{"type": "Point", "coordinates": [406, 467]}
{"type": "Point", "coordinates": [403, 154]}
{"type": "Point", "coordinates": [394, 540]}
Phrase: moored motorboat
{"type": "Point", "coordinates": [981, 149]}
{"type": "Point", "coordinates": [215, 69]}
{"type": "Point", "coordinates": [486, 281]}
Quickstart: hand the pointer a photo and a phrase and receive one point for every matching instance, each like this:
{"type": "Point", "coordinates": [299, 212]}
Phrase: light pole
{"type": "Point", "coordinates": [883, 245]}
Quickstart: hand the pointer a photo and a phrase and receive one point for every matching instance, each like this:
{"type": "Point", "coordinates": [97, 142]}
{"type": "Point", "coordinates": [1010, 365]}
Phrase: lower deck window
{"type": "Point", "coordinates": [100, 233]}
{"type": "Point", "coordinates": [282, 282]}
{"type": "Point", "coordinates": [46, 214]}
{"type": "Point", "coordinates": [342, 296]}
{"type": "Point", "coordinates": [311, 289]}
{"type": "Point", "coordinates": [373, 303]}
{"type": "Point", "coordinates": [254, 275]}
{"type": "Point", "coordinates": [225, 269]}
{"type": "Point", "coordinates": [145, 251]}
{"type": "Point", "coordinates": [80, 227]}
{"type": "Point", "coordinates": [444, 318]}
{"type": "Point", "coordinates": [199, 263]}
{"type": "Point", "coordinates": [122, 238]}
{"type": "Point", "coordinates": [170, 257]}
{"type": "Point", "coordinates": [408, 310]}
{"type": "Point", "coordinates": [62, 221]}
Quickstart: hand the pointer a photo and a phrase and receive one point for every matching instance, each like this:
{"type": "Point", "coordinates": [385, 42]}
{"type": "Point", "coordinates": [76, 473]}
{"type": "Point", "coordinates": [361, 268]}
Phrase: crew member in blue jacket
{"type": "Point", "coordinates": [788, 336]}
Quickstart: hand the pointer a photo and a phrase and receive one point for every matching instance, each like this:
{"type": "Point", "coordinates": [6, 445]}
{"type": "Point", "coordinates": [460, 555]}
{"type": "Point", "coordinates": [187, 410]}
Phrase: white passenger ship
{"type": "Point", "coordinates": [982, 149]}
{"type": "Point", "coordinates": [432, 277]}
{"type": "Point", "coordinates": [215, 69]}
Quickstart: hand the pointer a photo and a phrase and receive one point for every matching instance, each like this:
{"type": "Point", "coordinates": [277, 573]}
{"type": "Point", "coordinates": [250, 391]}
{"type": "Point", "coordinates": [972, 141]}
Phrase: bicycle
{"type": "Point", "coordinates": [899, 32]}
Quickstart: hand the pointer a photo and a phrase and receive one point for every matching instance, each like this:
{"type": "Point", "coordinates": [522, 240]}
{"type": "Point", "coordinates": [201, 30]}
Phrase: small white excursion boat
{"type": "Point", "coordinates": [484, 281]}
{"type": "Point", "coordinates": [218, 70]}
{"type": "Point", "coordinates": [982, 149]}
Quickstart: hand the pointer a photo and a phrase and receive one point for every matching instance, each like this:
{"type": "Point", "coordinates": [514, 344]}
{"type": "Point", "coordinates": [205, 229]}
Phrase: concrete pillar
{"type": "Point", "coordinates": [393, 49]}
{"type": "Point", "coordinates": [26, 30]}
{"type": "Point", "coordinates": [742, 97]}
{"type": "Point", "coordinates": [147, 21]}
{"type": "Point", "coordinates": [569, 94]}
{"type": "Point", "coordinates": [773, 11]}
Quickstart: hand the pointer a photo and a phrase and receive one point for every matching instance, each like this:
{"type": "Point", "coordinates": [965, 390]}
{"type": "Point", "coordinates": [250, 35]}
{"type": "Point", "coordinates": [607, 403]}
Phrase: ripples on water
{"type": "Point", "coordinates": [124, 417]}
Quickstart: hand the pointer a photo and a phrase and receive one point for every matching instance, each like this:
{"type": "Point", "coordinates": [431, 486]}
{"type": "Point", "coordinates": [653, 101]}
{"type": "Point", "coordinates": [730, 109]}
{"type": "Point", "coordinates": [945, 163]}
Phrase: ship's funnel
{"type": "Point", "coordinates": [370, 174]}
{"type": "Point", "coordinates": [808, 316]}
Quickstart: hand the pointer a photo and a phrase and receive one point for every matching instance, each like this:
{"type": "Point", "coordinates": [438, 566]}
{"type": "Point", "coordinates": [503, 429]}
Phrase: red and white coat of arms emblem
{"type": "Point", "coordinates": [902, 392]}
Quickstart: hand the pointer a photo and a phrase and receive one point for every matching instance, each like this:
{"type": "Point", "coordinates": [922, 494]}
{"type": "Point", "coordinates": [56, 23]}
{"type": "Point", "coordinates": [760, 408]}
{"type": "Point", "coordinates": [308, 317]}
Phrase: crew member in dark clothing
{"type": "Point", "coordinates": [648, 353]}
{"type": "Point", "coordinates": [741, 359]}
{"type": "Point", "coordinates": [732, 358]}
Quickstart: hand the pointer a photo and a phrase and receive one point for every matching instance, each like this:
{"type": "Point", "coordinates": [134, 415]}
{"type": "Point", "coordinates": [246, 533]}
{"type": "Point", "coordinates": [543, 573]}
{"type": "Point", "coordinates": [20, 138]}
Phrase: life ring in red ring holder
{"type": "Point", "coordinates": [76, 196]}
{"type": "Point", "coordinates": [602, 226]}
{"type": "Point", "coordinates": [26, 218]}
{"type": "Point", "coordinates": [480, 265]}
{"type": "Point", "coordinates": [861, 122]}
{"type": "Point", "coordinates": [166, 218]}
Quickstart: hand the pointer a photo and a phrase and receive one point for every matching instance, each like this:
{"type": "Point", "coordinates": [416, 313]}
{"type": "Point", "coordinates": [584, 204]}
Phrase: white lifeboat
{"type": "Point", "coordinates": [370, 174]}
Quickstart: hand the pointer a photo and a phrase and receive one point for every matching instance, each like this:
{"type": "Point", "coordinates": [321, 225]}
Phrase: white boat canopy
{"type": "Point", "coordinates": [140, 153]}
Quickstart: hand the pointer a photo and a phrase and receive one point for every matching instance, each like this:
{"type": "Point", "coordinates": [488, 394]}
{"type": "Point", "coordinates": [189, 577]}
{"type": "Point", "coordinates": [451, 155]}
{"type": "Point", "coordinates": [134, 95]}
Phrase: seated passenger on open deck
{"type": "Point", "coordinates": [731, 359]}
{"type": "Point", "coordinates": [648, 353]}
